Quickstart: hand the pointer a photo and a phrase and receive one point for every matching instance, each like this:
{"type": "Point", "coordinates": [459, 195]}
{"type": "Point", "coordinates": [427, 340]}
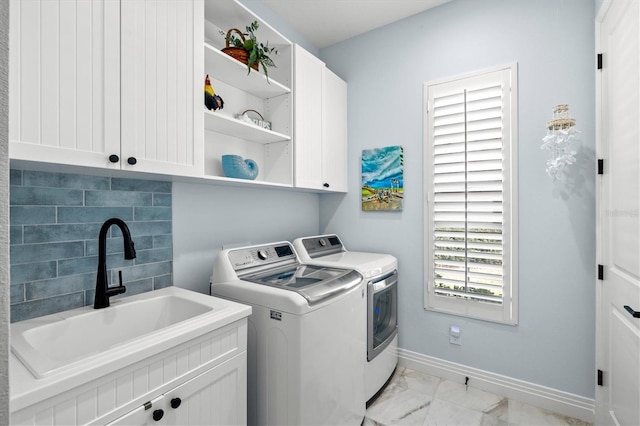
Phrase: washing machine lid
{"type": "Point", "coordinates": [368, 264]}
{"type": "Point", "coordinates": [314, 283]}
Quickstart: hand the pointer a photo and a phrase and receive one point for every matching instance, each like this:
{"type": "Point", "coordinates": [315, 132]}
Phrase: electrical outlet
{"type": "Point", "coordinates": [455, 337]}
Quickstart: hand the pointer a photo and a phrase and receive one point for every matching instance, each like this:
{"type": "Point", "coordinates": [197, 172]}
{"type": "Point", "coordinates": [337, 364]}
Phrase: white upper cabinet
{"type": "Point", "coordinates": [308, 119]}
{"type": "Point", "coordinates": [119, 84]}
{"type": "Point", "coordinates": [262, 98]}
{"type": "Point", "coordinates": [104, 83]}
{"type": "Point", "coordinates": [334, 132]}
{"type": "Point", "coordinates": [64, 81]}
{"type": "Point", "coordinates": [161, 87]}
{"type": "Point", "coordinates": [320, 125]}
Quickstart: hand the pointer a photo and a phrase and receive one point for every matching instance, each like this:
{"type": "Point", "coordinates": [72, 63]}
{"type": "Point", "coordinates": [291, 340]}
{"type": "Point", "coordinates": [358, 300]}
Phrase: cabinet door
{"type": "Point", "coordinates": [64, 81]}
{"type": "Point", "coordinates": [216, 397]}
{"type": "Point", "coordinates": [144, 415]}
{"type": "Point", "coordinates": [307, 93]}
{"type": "Point", "coordinates": [162, 86]}
{"type": "Point", "coordinates": [334, 132]}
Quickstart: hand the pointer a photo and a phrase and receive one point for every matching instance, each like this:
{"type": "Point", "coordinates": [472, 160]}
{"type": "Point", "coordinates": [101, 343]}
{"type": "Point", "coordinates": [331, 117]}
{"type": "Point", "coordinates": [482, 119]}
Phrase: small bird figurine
{"type": "Point", "coordinates": [211, 100]}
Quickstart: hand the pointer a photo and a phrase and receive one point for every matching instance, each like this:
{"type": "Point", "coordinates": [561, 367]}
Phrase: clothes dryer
{"type": "Point", "coordinates": [381, 275]}
{"type": "Point", "coordinates": [306, 334]}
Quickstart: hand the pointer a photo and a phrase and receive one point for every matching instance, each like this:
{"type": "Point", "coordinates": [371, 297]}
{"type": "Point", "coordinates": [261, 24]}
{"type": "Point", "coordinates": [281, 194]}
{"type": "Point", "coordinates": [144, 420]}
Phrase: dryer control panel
{"type": "Point", "coordinates": [250, 257]}
{"type": "Point", "coordinates": [322, 245]}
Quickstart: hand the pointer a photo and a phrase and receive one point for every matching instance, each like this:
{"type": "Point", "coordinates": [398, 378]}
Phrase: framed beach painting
{"type": "Point", "coordinates": [382, 178]}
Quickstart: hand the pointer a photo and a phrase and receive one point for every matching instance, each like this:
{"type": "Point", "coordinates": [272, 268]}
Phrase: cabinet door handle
{"type": "Point", "coordinates": [158, 415]}
{"type": "Point", "coordinates": [175, 403]}
{"type": "Point", "coordinates": [326, 185]}
{"type": "Point", "coordinates": [114, 158]}
{"type": "Point", "coordinates": [132, 160]}
{"type": "Point", "coordinates": [634, 313]}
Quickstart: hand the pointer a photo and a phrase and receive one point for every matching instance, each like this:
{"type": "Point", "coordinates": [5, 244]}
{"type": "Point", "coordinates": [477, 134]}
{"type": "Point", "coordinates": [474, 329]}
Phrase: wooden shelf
{"type": "Point", "coordinates": [222, 123]}
{"type": "Point", "coordinates": [223, 67]}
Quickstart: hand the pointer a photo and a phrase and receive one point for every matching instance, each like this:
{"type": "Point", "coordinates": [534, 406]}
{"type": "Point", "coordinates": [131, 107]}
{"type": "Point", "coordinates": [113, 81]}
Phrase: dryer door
{"type": "Point", "coordinates": [382, 317]}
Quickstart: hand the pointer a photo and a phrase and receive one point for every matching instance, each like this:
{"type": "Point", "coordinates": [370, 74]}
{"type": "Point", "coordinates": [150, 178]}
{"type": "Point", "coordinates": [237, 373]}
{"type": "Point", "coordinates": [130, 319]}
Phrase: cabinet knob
{"type": "Point", "coordinates": [132, 160]}
{"type": "Point", "coordinates": [326, 185]}
{"type": "Point", "coordinates": [158, 415]}
{"type": "Point", "coordinates": [114, 158]}
{"type": "Point", "coordinates": [175, 403]}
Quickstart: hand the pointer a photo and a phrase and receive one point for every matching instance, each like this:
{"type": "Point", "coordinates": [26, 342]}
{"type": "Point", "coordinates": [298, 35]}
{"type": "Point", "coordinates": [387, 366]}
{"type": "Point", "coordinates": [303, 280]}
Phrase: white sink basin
{"type": "Point", "coordinates": [49, 344]}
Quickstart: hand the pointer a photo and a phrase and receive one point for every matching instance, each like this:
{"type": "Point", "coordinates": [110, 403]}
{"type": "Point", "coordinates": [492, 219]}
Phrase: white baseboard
{"type": "Point", "coordinates": [555, 400]}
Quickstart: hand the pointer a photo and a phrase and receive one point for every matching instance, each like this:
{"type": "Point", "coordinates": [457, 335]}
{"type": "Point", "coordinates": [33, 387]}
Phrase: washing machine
{"type": "Point", "coordinates": [306, 334]}
{"type": "Point", "coordinates": [381, 275]}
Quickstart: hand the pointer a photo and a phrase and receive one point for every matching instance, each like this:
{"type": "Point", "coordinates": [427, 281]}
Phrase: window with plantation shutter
{"type": "Point", "coordinates": [471, 212]}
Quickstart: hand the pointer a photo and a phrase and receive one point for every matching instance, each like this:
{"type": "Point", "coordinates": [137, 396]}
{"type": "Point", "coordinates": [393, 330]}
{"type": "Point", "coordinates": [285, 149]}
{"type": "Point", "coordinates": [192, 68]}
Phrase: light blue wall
{"type": "Point", "coordinates": [55, 221]}
{"type": "Point", "coordinates": [553, 43]}
{"type": "Point", "coordinates": [267, 15]}
{"type": "Point", "coordinates": [208, 217]}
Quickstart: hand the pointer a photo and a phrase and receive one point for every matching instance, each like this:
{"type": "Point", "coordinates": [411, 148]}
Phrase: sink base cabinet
{"type": "Point", "coordinates": [207, 375]}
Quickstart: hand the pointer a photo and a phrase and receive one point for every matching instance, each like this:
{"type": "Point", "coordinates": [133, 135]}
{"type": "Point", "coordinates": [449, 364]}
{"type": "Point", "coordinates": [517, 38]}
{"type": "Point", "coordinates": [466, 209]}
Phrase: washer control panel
{"type": "Point", "coordinates": [250, 257]}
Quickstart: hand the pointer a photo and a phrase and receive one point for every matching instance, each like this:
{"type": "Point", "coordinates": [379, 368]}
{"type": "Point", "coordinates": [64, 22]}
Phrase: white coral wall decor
{"type": "Point", "coordinates": [561, 133]}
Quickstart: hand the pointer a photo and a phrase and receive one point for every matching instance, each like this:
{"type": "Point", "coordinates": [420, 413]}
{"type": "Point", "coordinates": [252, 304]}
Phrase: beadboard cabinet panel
{"type": "Point", "coordinates": [216, 397]}
{"type": "Point", "coordinates": [308, 119]}
{"type": "Point", "coordinates": [162, 77]}
{"type": "Point", "coordinates": [64, 80]}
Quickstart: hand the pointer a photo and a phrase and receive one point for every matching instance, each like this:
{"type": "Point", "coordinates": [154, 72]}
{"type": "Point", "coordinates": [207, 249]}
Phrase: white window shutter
{"type": "Point", "coordinates": [469, 215]}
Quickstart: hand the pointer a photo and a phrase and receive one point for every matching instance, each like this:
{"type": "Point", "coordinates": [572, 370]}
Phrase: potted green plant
{"type": "Point", "coordinates": [246, 48]}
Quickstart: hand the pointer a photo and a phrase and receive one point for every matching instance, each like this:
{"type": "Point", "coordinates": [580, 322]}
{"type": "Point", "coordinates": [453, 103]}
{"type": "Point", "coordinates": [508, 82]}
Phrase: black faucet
{"type": "Point", "coordinates": [103, 291]}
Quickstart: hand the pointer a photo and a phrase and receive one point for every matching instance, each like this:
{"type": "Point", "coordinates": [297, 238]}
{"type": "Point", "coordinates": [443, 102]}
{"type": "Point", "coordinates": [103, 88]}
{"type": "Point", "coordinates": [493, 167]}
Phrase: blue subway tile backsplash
{"type": "Point", "coordinates": [118, 198]}
{"type": "Point", "coordinates": [41, 196]}
{"type": "Point", "coordinates": [96, 214]}
{"type": "Point", "coordinates": [32, 215]}
{"type": "Point", "coordinates": [64, 180]}
{"type": "Point", "coordinates": [55, 219]}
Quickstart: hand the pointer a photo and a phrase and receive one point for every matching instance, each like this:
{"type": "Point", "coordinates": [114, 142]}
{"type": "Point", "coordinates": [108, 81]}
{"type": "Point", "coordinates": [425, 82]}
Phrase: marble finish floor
{"type": "Point", "coordinates": [413, 398]}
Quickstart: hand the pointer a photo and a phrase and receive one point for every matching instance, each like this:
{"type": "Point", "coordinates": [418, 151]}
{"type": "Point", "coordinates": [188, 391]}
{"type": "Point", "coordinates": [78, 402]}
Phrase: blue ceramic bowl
{"type": "Point", "coordinates": [234, 166]}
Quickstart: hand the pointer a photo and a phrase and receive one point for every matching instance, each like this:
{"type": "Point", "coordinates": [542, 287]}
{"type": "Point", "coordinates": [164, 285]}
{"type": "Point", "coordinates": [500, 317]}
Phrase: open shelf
{"type": "Point", "coordinates": [221, 123]}
{"type": "Point", "coordinates": [271, 149]}
{"type": "Point", "coordinates": [245, 182]}
{"type": "Point", "coordinates": [221, 66]}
